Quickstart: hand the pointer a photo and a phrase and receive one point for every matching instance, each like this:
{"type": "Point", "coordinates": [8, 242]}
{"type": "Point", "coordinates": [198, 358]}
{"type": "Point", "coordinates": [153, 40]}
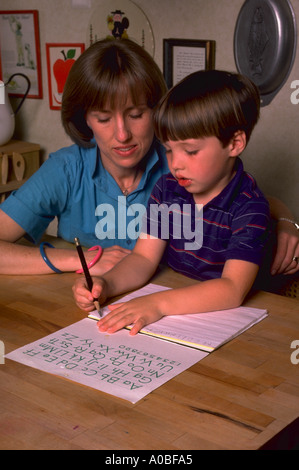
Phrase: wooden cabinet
{"type": "Point", "coordinates": [18, 161]}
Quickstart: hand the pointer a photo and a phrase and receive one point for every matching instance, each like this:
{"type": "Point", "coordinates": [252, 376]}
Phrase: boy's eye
{"type": "Point", "coordinates": [191, 152]}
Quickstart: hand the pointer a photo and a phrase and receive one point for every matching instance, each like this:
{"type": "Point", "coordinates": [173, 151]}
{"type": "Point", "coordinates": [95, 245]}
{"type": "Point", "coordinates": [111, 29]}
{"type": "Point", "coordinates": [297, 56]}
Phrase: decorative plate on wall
{"type": "Point", "coordinates": [265, 44]}
{"type": "Point", "coordinates": [118, 19]}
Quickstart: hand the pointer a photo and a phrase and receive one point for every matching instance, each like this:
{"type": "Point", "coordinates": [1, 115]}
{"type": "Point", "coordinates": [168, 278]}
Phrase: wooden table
{"type": "Point", "coordinates": [239, 397]}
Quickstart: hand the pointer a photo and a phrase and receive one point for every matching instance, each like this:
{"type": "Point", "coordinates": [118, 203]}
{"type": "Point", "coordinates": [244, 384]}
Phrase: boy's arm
{"type": "Point", "coordinates": [137, 268]}
{"type": "Point", "coordinates": [130, 273]}
{"type": "Point", "coordinates": [229, 291]}
{"type": "Point", "coordinates": [226, 292]}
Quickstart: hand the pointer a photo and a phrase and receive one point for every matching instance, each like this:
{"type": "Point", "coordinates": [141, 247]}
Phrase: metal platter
{"type": "Point", "coordinates": [265, 43]}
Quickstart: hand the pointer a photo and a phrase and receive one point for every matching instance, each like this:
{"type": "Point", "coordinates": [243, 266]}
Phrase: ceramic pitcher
{"type": "Point", "coordinates": [7, 115]}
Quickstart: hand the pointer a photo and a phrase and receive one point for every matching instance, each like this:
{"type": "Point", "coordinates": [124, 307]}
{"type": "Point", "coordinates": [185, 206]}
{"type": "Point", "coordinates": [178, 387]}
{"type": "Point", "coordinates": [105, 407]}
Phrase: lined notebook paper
{"type": "Point", "coordinates": [204, 331]}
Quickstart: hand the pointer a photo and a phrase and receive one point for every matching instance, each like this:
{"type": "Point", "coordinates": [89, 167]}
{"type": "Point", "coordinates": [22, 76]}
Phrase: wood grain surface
{"type": "Point", "coordinates": [239, 397]}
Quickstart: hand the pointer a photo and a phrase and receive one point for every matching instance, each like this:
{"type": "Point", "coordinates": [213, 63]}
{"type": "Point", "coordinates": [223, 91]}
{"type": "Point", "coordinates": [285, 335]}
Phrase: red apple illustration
{"type": "Point", "coordinates": [62, 67]}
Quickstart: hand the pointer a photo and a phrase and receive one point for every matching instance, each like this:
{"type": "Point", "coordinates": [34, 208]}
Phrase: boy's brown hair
{"type": "Point", "coordinates": [208, 103]}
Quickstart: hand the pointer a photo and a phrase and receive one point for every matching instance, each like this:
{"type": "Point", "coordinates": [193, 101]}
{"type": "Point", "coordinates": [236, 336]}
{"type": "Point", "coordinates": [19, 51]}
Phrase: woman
{"type": "Point", "coordinates": [98, 187]}
{"type": "Point", "coordinates": [95, 187]}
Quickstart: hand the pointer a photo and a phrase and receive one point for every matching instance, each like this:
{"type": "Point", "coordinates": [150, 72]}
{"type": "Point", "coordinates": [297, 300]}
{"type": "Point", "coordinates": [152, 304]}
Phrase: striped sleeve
{"type": "Point", "coordinates": [250, 231]}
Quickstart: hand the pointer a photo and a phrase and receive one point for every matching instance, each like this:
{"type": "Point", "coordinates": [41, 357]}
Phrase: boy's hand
{"type": "Point", "coordinates": [138, 312]}
{"type": "Point", "coordinates": [84, 298]}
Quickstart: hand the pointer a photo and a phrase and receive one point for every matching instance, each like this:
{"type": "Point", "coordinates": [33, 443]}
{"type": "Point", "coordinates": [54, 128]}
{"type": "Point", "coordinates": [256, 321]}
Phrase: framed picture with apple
{"type": "Point", "coordinates": [60, 59]}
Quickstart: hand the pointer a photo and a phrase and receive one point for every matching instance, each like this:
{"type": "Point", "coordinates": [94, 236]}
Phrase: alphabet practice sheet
{"type": "Point", "coordinates": [128, 367]}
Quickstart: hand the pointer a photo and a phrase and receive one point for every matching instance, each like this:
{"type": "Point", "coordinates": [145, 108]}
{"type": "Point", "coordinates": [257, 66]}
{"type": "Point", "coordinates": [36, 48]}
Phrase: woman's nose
{"type": "Point", "coordinates": [123, 132]}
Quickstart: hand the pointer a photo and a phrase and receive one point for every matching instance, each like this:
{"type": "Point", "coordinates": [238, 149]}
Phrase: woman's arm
{"type": "Point", "coordinates": [278, 209]}
{"type": "Point", "coordinates": [19, 259]}
{"type": "Point", "coordinates": [287, 239]}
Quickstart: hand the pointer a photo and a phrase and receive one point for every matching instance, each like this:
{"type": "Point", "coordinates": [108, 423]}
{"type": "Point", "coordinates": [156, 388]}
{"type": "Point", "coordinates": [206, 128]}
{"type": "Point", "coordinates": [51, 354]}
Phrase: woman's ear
{"type": "Point", "coordinates": [238, 143]}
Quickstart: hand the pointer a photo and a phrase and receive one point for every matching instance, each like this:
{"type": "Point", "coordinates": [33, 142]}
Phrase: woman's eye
{"type": "Point", "coordinates": [136, 116]}
{"type": "Point", "coordinates": [103, 120]}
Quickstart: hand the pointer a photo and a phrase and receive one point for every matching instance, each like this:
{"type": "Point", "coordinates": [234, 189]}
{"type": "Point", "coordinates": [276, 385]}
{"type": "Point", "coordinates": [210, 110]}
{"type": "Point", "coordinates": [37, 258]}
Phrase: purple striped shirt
{"type": "Point", "coordinates": [235, 225]}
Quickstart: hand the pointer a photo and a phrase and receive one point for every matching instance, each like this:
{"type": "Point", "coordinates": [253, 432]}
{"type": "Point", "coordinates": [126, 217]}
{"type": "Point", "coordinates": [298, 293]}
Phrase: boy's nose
{"type": "Point", "coordinates": [177, 162]}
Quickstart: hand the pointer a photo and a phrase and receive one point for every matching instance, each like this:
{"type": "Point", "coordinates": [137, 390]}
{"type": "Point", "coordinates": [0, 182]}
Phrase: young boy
{"type": "Point", "coordinates": [205, 123]}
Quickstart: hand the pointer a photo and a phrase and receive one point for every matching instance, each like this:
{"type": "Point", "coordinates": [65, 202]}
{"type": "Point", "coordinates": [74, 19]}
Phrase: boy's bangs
{"type": "Point", "coordinates": [181, 122]}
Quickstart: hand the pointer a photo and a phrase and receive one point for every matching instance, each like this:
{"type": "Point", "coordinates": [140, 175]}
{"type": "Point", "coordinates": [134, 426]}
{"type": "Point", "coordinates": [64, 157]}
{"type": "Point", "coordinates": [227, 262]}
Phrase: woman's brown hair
{"type": "Point", "coordinates": [104, 75]}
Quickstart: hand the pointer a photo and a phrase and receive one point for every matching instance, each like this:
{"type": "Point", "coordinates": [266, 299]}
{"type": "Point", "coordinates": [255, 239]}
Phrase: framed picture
{"type": "Point", "coordinates": [60, 59]}
{"type": "Point", "coordinates": [20, 52]}
{"type": "Point", "coordinates": [184, 56]}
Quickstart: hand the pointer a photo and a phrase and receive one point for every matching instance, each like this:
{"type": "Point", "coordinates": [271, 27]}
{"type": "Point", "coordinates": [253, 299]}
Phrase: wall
{"type": "Point", "coordinates": [272, 155]}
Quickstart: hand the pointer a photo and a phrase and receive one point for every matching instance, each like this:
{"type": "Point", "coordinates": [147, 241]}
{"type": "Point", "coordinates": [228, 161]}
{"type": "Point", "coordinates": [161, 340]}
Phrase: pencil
{"type": "Point", "coordinates": [87, 273]}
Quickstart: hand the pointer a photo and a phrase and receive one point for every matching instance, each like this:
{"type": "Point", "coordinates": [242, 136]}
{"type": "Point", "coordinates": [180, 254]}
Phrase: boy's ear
{"type": "Point", "coordinates": [238, 143]}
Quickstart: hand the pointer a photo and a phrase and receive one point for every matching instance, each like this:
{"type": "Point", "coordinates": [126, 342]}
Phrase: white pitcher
{"type": "Point", "coordinates": [7, 115]}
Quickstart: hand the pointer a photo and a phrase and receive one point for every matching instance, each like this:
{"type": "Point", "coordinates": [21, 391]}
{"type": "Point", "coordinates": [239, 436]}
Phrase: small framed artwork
{"type": "Point", "coordinates": [60, 59]}
{"type": "Point", "coordinates": [20, 52]}
{"type": "Point", "coordinates": [184, 56]}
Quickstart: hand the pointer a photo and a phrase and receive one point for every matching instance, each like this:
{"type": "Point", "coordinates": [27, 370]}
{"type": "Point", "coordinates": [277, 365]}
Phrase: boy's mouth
{"type": "Point", "coordinates": [183, 181]}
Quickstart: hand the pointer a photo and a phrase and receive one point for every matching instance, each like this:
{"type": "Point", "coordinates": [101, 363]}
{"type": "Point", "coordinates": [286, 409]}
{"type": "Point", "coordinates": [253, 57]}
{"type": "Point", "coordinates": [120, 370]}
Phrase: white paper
{"type": "Point", "coordinates": [128, 367]}
{"type": "Point", "coordinates": [187, 60]}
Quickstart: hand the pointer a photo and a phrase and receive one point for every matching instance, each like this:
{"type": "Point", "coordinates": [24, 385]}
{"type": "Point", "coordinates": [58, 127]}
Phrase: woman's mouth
{"type": "Point", "coordinates": [125, 151]}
